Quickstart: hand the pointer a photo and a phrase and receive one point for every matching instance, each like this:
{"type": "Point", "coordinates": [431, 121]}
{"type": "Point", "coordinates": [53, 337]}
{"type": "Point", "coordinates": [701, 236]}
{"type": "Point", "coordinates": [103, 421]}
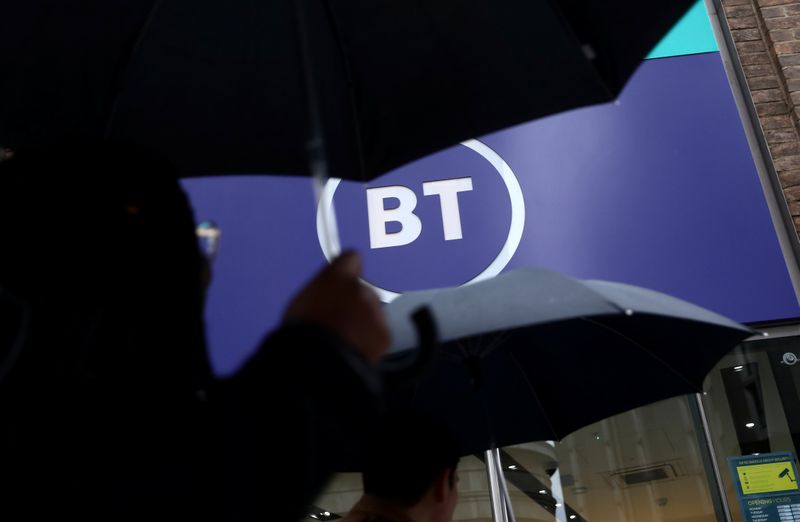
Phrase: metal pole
{"type": "Point", "coordinates": [495, 474]}
{"type": "Point", "coordinates": [504, 494]}
{"type": "Point", "coordinates": [712, 454]}
{"type": "Point", "coordinates": [558, 491]}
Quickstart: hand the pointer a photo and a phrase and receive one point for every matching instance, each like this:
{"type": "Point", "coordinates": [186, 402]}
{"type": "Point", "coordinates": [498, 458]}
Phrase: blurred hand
{"type": "Point", "coordinates": [338, 301]}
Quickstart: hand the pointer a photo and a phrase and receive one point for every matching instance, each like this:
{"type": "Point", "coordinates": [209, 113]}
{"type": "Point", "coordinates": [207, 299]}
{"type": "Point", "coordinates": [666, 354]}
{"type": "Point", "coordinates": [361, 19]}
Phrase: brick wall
{"type": "Point", "coordinates": [767, 38]}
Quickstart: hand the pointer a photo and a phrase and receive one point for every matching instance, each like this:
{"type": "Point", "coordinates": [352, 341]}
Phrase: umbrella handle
{"type": "Point", "coordinates": [408, 372]}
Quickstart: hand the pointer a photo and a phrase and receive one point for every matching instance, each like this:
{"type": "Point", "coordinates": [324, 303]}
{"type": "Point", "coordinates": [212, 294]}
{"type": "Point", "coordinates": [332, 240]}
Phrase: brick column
{"type": "Point", "coordinates": [767, 38]}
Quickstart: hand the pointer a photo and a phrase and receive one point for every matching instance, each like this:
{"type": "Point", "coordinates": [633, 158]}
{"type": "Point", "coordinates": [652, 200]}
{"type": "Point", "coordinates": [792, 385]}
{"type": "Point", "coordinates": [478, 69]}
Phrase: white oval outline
{"type": "Point", "coordinates": [514, 231]}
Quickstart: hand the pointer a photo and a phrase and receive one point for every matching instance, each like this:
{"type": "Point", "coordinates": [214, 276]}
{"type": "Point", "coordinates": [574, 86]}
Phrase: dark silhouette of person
{"type": "Point", "coordinates": [409, 473]}
{"type": "Point", "coordinates": [108, 407]}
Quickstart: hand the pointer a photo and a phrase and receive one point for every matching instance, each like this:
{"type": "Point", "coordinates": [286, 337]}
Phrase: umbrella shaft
{"type": "Point", "coordinates": [315, 147]}
{"type": "Point", "coordinates": [329, 232]}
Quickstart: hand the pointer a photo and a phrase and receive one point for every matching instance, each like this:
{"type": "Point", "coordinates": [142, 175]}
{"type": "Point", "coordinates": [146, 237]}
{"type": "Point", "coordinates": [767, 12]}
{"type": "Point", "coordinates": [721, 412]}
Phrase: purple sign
{"type": "Point", "coordinates": [428, 214]}
{"type": "Point", "coordinates": [657, 190]}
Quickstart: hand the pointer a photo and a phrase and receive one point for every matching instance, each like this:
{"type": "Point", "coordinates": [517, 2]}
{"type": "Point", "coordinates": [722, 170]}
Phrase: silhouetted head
{"type": "Point", "coordinates": [98, 242]}
{"type": "Point", "coordinates": [412, 461]}
{"type": "Point", "coordinates": [98, 218]}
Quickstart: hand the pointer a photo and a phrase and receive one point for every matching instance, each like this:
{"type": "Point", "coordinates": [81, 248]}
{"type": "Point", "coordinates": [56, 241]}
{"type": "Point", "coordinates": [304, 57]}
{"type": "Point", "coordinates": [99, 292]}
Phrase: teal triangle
{"type": "Point", "coordinates": [691, 35]}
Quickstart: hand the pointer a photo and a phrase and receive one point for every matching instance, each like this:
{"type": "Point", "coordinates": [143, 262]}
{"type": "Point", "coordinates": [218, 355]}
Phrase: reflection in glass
{"type": "Point", "coordinates": [752, 405]}
{"type": "Point", "coordinates": [643, 465]}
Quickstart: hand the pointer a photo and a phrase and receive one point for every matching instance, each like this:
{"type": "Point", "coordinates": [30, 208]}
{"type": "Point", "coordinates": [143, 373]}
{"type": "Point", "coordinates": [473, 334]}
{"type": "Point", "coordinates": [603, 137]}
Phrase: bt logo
{"type": "Point", "coordinates": [453, 218]}
{"type": "Point", "coordinates": [403, 213]}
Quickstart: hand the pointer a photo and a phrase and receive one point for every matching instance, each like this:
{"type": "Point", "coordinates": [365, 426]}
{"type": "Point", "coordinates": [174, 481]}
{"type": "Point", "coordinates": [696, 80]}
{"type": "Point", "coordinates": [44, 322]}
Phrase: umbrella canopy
{"type": "Point", "coordinates": [535, 355]}
{"type": "Point", "coordinates": [239, 86]}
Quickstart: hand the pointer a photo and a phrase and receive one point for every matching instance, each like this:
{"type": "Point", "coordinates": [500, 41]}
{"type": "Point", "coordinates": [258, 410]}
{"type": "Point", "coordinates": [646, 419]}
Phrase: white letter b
{"type": "Point", "coordinates": [411, 226]}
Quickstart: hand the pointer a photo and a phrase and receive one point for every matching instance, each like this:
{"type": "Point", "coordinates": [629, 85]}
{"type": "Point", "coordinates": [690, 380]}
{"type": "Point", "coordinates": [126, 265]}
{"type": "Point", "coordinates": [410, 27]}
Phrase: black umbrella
{"type": "Point", "coordinates": [534, 355]}
{"type": "Point", "coordinates": [239, 86]}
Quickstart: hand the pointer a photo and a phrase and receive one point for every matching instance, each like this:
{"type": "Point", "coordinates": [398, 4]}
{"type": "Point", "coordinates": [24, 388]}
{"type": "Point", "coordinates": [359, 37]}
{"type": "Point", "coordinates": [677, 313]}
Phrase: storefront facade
{"type": "Point", "coordinates": [689, 184]}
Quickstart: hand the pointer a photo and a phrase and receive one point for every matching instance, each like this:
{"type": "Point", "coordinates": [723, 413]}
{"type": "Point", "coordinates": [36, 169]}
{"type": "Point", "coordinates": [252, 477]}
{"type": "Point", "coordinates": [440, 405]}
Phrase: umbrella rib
{"type": "Point", "coordinates": [648, 352]}
{"type": "Point", "coordinates": [476, 342]}
{"type": "Point", "coordinates": [535, 396]}
{"type": "Point", "coordinates": [462, 348]}
{"type": "Point", "coordinates": [348, 71]}
{"type": "Point", "coordinates": [498, 340]}
{"type": "Point", "coordinates": [120, 73]}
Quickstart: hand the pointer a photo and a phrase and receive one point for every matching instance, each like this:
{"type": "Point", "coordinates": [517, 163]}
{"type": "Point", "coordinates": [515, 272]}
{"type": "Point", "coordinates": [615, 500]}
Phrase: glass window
{"type": "Point", "coordinates": [752, 405]}
{"type": "Point", "coordinates": [642, 465]}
